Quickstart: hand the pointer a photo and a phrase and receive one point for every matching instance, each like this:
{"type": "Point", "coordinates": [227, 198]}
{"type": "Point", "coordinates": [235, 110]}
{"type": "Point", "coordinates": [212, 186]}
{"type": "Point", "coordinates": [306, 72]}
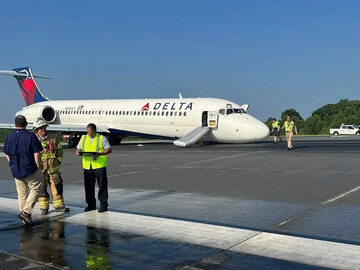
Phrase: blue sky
{"type": "Point", "coordinates": [272, 54]}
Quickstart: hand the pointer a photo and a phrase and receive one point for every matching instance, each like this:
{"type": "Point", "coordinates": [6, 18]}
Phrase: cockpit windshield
{"type": "Point", "coordinates": [231, 111]}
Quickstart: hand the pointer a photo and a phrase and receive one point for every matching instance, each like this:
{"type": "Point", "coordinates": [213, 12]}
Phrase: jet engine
{"type": "Point", "coordinates": [33, 112]}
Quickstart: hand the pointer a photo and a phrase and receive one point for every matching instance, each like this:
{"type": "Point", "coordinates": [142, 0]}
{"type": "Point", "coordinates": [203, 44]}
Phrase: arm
{"type": "Point", "coordinates": [37, 157]}
{"type": "Point", "coordinates": [8, 158]}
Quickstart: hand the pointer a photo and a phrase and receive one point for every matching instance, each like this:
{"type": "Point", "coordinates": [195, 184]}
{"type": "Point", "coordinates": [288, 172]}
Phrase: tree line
{"type": "Point", "coordinates": [321, 120]}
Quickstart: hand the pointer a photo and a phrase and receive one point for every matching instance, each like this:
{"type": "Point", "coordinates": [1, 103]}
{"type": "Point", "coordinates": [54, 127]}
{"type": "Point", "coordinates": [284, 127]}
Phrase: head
{"type": "Point", "coordinates": [288, 118]}
{"type": "Point", "coordinates": [40, 127]}
{"type": "Point", "coordinates": [20, 122]}
{"type": "Point", "coordinates": [274, 119]}
{"type": "Point", "coordinates": [91, 130]}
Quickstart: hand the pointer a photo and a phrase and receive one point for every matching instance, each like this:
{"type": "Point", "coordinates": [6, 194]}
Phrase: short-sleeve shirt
{"type": "Point", "coordinates": [20, 146]}
{"type": "Point", "coordinates": [105, 143]}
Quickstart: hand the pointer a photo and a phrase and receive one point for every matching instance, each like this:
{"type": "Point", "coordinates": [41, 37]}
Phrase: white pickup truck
{"type": "Point", "coordinates": [345, 130]}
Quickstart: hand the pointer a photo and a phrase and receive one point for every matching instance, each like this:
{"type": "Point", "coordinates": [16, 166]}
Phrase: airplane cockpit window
{"type": "Point", "coordinates": [229, 111]}
{"type": "Point", "coordinates": [239, 111]}
{"type": "Point", "coordinates": [222, 111]}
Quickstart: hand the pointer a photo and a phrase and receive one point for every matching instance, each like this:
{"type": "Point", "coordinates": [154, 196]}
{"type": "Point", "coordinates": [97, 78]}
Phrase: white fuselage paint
{"type": "Point", "coordinates": [172, 118]}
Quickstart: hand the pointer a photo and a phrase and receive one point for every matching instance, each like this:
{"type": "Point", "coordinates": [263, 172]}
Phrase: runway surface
{"type": "Point", "coordinates": [255, 206]}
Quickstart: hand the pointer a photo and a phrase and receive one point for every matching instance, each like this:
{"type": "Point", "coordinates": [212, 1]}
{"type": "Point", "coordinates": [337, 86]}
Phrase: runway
{"type": "Point", "coordinates": [254, 206]}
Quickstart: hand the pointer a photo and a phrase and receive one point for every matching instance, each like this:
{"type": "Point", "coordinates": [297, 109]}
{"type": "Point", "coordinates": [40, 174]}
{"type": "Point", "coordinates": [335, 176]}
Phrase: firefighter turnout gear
{"type": "Point", "coordinates": [51, 159]}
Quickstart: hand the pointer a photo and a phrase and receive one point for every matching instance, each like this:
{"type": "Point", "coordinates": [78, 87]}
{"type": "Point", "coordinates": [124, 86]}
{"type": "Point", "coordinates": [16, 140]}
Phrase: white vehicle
{"type": "Point", "coordinates": [345, 130]}
{"type": "Point", "coordinates": [186, 120]}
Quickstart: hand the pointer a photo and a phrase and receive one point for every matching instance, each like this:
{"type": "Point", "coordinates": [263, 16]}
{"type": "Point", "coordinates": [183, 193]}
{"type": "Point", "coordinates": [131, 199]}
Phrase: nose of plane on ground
{"type": "Point", "coordinates": [261, 131]}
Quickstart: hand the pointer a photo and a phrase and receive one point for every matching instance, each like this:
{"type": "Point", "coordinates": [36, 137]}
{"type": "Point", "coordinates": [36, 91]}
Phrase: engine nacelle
{"type": "Point", "coordinates": [34, 112]}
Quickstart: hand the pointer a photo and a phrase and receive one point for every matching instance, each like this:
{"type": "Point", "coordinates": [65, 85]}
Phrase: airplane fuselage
{"type": "Point", "coordinates": [162, 118]}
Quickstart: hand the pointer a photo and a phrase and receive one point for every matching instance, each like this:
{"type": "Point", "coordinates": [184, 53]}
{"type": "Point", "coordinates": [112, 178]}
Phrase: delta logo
{"type": "Point", "coordinates": [145, 107]}
{"type": "Point", "coordinates": [168, 106]}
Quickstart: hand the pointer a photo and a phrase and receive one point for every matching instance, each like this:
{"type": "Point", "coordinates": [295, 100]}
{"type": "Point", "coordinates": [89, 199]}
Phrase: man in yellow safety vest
{"type": "Point", "coordinates": [289, 127]}
{"type": "Point", "coordinates": [94, 149]}
{"type": "Point", "coordinates": [51, 158]}
{"type": "Point", "coordinates": [276, 130]}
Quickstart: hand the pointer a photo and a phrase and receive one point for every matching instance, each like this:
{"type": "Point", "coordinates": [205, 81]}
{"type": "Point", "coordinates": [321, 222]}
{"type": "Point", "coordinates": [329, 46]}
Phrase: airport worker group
{"type": "Point", "coordinates": [94, 149]}
{"type": "Point", "coordinates": [22, 150]}
{"type": "Point", "coordinates": [51, 158]}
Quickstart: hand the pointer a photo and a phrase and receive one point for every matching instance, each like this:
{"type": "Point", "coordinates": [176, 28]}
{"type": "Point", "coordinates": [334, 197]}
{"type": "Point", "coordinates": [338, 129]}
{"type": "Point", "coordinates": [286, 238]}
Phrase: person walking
{"type": "Point", "coordinates": [51, 158]}
{"type": "Point", "coordinates": [289, 127]}
{"type": "Point", "coordinates": [22, 150]}
{"type": "Point", "coordinates": [94, 149]}
{"type": "Point", "coordinates": [276, 130]}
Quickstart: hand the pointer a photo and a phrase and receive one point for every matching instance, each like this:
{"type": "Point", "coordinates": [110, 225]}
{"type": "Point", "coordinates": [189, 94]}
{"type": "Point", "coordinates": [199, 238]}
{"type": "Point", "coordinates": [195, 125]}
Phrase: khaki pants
{"type": "Point", "coordinates": [289, 136]}
{"type": "Point", "coordinates": [28, 190]}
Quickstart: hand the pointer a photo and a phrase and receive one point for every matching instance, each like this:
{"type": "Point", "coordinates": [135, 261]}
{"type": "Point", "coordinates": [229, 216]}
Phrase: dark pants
{"type": "Point", "coordinates": [89, 181]}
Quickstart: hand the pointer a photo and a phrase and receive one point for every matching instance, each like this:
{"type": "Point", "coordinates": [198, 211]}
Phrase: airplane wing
{"type": "Point", "coordinates": [60, 128]}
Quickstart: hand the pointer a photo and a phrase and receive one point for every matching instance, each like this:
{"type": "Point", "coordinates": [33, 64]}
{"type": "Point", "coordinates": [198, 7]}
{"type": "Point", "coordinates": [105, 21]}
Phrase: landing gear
{"type": "Point", "coordinates": [73, 140]}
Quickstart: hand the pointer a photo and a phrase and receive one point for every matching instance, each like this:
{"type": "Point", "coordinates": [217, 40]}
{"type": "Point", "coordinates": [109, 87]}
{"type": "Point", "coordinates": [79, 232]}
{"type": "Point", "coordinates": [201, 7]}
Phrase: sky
{"type": "Point", "coordinates": [271, 54]}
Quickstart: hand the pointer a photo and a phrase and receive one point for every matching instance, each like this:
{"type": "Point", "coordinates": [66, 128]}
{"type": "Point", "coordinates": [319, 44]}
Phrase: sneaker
{"type": "Point", "coordinates": [102, 209]}
{"type": "Point", "coordinates": [26, 217]}
{"type": "Point", "coordinates": [87, 209]}
{"type": "Point", "coordinates": [45, 212]}
{"type": "Point", "coordinates": [64, 209]}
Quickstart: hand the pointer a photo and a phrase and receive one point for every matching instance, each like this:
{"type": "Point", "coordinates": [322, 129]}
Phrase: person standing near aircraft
{"type": "Point", "coordinates": [94, 149]}
{"type": "Point", "coordinates": [289, 127]}
{"type": "Point", "coordinates": [51, 158]}
{"type": "Point", "coordinates": [276, 130]}
{"type": "Point", "coordinates": [22, 150]}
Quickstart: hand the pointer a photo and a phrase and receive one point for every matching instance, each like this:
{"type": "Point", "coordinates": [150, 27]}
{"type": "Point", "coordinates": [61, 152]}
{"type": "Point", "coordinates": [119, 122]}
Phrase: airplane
{"type": "Point", "coordinates": [187, 121]}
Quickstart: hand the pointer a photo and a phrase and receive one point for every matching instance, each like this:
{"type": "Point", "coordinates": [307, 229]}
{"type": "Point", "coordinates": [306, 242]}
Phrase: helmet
{"type": "Point", "coordinates": [39, 123]}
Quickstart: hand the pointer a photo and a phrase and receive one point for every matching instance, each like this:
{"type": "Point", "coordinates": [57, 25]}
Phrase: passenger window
{"type": "Point", "coordinates": [184, 113]}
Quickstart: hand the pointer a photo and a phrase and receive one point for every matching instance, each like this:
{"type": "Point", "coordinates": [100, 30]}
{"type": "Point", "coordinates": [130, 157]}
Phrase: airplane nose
{"type": "Point", "coordinates": [261, 131]}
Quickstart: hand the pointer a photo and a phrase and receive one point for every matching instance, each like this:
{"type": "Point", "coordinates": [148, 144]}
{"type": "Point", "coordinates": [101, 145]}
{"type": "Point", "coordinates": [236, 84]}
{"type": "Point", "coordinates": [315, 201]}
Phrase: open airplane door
{"type": "Point", "coordinates": [209, 120]}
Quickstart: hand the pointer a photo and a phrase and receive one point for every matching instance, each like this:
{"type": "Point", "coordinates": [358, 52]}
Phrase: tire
{"type": "Point", "coordinates": [336, 133]}
{"type": "Point", "coordinates": [357, 133]}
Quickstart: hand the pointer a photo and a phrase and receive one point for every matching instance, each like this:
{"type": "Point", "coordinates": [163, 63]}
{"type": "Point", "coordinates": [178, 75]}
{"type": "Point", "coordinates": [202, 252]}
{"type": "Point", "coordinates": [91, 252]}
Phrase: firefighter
{"type": "Point", "coordinates": [51, 159]}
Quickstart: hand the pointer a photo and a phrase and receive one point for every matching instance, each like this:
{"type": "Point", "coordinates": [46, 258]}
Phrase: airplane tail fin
{"type": "Point", "coordinates": [28, 87]}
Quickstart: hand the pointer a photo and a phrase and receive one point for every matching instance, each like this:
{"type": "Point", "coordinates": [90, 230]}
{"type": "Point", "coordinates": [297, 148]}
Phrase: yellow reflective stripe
{"type": "Point", "coordinates": [43, 203]}
{"type": "Point", "coordinates": [57, 203]}
{"type": "Point", "coordinates": [47, 156]}
{"type": "Point", "coordinates": [52, 170]}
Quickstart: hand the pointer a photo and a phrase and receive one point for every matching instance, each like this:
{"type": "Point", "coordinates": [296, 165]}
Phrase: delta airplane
{"type": "Point", "coordinates": [185, 120]}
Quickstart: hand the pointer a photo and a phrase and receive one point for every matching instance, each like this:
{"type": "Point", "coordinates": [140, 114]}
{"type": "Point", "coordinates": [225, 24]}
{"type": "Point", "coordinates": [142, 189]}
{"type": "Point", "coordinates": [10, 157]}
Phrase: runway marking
{"type": "Point", "coordinates": [342, 195]}
{"type": "Point", "coordinates": [220, 158]}
{"type": "Point", "coordinates": [271, 245]}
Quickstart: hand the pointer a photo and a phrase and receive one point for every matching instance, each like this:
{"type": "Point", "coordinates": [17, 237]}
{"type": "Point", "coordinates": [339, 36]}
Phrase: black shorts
{"type": "Point", "coordinates": [276, 132]}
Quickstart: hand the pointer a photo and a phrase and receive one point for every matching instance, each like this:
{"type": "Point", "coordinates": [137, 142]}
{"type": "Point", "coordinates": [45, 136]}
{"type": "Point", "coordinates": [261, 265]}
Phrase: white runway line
{"type": "Point", "coordinates": [342, 195]}
{"type": "Point", "coordinates": [290, 248]}
{"type": "Point", "coordinates": [226, 157]}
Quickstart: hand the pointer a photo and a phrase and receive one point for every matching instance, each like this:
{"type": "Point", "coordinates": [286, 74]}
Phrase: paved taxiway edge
{"type": "Point", "coordinates": [271, 245]}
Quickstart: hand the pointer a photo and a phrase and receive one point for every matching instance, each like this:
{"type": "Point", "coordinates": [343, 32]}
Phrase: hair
{"type": "Point", "coordinates": [274, 119]}
{"type": "Point", "coordinates": [20, 121]}
{"type": "Point", "coordinates": [92, 126]}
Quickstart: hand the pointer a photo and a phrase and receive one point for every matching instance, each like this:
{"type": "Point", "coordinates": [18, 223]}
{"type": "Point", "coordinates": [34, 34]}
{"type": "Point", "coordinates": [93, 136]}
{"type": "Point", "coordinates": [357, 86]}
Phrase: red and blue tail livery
{"type": "Point", "coordinates": [28, 87]}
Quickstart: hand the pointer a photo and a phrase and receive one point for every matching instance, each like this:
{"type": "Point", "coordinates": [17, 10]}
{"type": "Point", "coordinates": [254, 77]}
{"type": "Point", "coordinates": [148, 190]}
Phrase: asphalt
{"type": "Point", "coordinates": [255, 206]}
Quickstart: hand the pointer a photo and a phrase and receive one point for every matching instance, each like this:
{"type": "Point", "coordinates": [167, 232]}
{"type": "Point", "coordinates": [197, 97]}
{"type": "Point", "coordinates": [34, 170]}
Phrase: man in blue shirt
{"type": "Point", "coordinates": [22, 150]}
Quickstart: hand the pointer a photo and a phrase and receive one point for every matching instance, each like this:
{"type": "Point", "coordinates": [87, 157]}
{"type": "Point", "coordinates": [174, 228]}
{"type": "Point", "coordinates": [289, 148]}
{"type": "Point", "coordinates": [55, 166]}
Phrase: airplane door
{"type": "Point", "coordinates": [212, 118]}
{"type": "Point", "coordinates": [204, 119]}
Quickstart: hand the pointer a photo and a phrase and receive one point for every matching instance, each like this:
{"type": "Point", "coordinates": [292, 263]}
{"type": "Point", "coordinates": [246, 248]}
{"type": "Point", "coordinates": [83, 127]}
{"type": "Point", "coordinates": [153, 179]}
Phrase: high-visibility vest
{"type": "Point", "coordinates": [289, 126]}
{"type": "Point", "coordinates": [95, 146]}
{"type": "Point", "coordinates": [275, 124]}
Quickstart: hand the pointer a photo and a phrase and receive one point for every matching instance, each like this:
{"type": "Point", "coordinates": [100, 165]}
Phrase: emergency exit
{"type": "Point", "coordinates": [209, 119]}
